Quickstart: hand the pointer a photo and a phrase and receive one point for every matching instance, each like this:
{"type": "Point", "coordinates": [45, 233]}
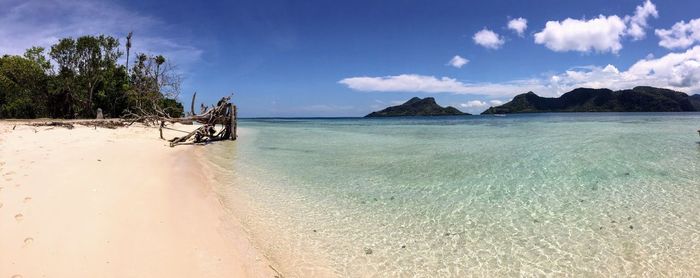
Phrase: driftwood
{"type": "Point", "coordinates": [218, 123]}
{"type": "Point", "coordinates": [223, 114]}
{"type": "Point", "coordinates": [60, 124]}
{"type": "Point", "coordinates": [111, 124]}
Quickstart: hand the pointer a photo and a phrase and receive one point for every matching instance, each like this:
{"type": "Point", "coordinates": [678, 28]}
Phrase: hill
{"type": "Point", "coordinates": [417, 107]}
{"type": "Point", "coordinates": [638, 99]}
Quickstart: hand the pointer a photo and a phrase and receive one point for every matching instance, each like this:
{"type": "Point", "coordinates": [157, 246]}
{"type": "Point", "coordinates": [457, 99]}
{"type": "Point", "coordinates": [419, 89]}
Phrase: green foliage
{"type": "Point", "coordinates": [172, 107]}
{"type": "Point", "coordinates": [86, 77]}
{"type": "Point", "coordinates": [22, 84]}
{"type": "Point", "coordinates": [154, 83]}
{"type": "Point", "coordinates": [86, 65]}
{"type": "Point", "coordinates": [36, 55]}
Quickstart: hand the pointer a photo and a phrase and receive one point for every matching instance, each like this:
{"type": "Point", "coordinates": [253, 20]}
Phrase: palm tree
{"type": "Point", "coordinates": [159, 61]}
{"type": "Point", "coordinates": [128, 46]}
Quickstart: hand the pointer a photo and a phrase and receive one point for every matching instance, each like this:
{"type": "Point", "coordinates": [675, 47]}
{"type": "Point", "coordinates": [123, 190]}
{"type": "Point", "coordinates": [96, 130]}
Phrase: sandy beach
{"type": "Point", "coordinates": [95, 202]}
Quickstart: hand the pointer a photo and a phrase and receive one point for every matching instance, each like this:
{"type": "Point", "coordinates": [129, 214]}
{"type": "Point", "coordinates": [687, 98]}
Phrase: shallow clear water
{"type": "Point", "coordinates": [542, 194]}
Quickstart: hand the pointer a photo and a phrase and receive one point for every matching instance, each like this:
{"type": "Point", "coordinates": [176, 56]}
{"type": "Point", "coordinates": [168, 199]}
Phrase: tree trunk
{"type": "Point", "coordinates": [91, 87]}
{"type": "Point", "coordinates": [127, 63]}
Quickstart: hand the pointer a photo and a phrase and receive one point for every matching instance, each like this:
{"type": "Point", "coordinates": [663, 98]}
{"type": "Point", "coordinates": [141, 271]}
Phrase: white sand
{"type": "Point", "coordinates": [112, 203]}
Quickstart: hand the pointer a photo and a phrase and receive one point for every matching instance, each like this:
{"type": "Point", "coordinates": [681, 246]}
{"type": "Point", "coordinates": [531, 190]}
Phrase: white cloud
{"type": "Point", "coordinates": [404, 83]}
{"type": "Point", "coordinates": [518, 25]}
{"type": "Point", "coordinates": [473, 104]}
{"type": "Point", "coordinates": [488, 39]}
{"type": "Point", "coordinates": [478, 106]}
{"type": "Point", "coordinates": [42, 23]}
{"type": "Point", "coordinates": [681, 35]}
{"type": "Point", "coordinates": [480, 103]}
{"type": "Point", "coordinates": [496, 102]}
{"type": "Point", "coordinates": [638, 22]}
{"type": "Point", "coordinates": [600, 34]}
{"type": "Point", "coordinates": [430, 84]}
{"type": "Point", "coordinates": [677, 71]}
{"type": "Point", "coordinates": [457, 61]}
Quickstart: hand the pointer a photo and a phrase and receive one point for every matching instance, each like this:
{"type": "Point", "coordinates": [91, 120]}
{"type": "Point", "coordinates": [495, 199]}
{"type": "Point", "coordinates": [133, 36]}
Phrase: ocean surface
{"type": "Point", "coordinates": [584, 194]}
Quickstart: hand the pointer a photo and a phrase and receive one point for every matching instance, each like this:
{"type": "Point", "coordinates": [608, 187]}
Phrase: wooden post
{"type": "Point", "coordinates": [234, 118]}
{"type": "Point", "coordinates": [192, 104]}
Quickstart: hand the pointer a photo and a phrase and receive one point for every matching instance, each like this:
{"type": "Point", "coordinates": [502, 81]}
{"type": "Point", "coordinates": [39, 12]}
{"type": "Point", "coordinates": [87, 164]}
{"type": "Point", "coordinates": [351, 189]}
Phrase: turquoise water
{"type": "Point", "coordinates": [523, 195]}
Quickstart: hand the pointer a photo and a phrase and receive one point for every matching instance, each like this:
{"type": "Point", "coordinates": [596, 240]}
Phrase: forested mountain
{"type": "Point", "coordinates": [417, 107]}
{"type": "Point", "coordinates": [638, 99]}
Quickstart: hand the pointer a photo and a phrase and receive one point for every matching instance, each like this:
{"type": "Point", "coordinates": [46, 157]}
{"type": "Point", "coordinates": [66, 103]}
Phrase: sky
{"type": "Point", "coordinates": [317, 58]}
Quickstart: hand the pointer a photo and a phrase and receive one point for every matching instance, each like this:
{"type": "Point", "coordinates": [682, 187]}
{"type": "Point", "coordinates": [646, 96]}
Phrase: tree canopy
{"type": "Point", "coordinates": [77, 76]}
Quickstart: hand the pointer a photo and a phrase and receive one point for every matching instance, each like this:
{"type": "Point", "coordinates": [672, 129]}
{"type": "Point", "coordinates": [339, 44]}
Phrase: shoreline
{"type": "Point", "coordinates": [269, 231]}
{"type": "Point", "coordinates": [95, 202]}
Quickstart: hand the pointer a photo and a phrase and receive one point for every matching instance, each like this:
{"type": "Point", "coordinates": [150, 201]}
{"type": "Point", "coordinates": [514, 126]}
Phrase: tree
{"type": "Point", "coordinates": [36, 54]}
{"type": "Point", "coordinates": [153, 80]}
{"type": "Point", "coordinates": [64, 86]}
{"type": "Point", "coordinates": [111, 91]}
{"type": "Point", "coordinates": [128, 47]}
{"type": "Point", "coordinates": [172, 107]}
{"type": "Point", "coordinates": [86, 76]}
{"type": "Point", "coordinates": [22, 88]}
{"type": "Point", "coordinates": [159, 61]}
{"type": "Point", "coordinates": [96, 55]}
{"type": "Point", "coordinates": [83, 64]}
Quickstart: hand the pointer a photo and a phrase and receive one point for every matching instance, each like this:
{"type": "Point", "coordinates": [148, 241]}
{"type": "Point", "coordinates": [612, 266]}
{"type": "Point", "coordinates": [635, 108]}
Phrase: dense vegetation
{"type": "Point", "coordinates": [75, 77]}
{"type": "Point", "coordinates": [417, 107]}
{"type": "Point", "coordinates": [638, 99]}
{"type": "Point", "coordinates": [695, 100]}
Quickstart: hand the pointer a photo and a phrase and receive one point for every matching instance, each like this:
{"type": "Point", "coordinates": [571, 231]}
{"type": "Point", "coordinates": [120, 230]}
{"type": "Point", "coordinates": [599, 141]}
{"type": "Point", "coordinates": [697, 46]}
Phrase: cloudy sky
{"type": "Point", "coordinates": [347, 58]}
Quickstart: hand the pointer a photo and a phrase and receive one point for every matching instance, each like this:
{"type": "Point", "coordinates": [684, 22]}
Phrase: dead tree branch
{"type": "Point", "coordinates": [223, 114]}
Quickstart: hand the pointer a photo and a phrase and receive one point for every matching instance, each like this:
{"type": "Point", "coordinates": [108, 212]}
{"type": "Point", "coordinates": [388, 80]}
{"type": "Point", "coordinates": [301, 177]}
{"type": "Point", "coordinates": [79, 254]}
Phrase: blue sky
{"type": "Point", "coordinates": [348, 58]}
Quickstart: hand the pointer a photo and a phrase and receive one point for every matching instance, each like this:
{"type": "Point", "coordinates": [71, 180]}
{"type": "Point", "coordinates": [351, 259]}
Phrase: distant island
{"type": "Point", "coordinates": [417, 107]}
{"type": "Point", "coordinates": [638, 99]}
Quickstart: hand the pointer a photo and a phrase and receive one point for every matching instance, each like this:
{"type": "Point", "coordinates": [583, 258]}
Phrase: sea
{"type": "Point", "coordinates": [556, 194]}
